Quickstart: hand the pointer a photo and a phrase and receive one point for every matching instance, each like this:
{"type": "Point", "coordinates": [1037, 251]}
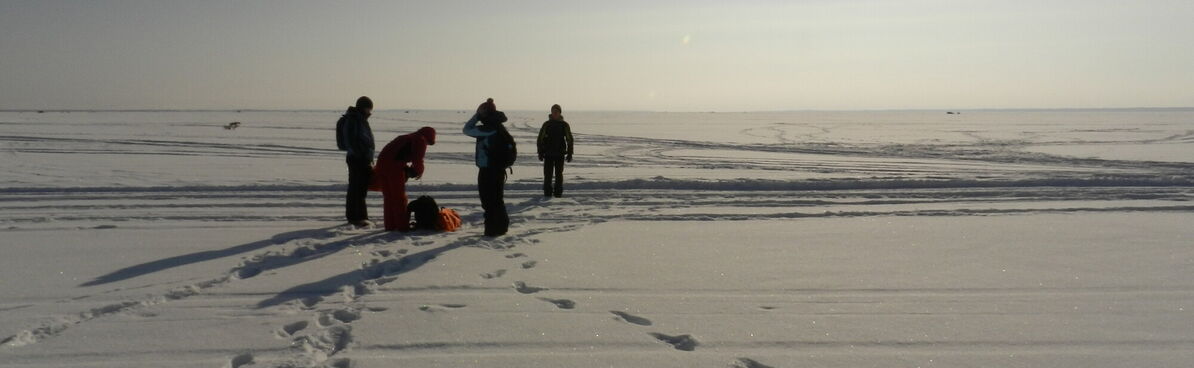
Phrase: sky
{"type": "Point", "coordinates": [597, 55]}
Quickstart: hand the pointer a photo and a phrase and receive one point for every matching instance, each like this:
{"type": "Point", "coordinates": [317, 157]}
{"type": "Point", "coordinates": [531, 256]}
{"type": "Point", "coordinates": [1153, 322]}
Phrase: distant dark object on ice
{"type": "Point", "coordinates": [232, 125]}
{"type": "Point", "coordinates": [41, 111]}
{"type": "Point", "coordinates": [953, 113]}
{"type": "Point", "coordinates": [407, 112]}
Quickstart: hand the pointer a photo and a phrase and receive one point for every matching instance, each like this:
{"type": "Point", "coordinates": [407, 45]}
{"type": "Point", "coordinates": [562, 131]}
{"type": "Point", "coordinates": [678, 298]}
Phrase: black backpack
{"type": "Point", "coordinates": [501, 149]}
{"type": "Point", "coordinates": [341, 142]}
{"type": "Point", "coordinates": [426, 213]}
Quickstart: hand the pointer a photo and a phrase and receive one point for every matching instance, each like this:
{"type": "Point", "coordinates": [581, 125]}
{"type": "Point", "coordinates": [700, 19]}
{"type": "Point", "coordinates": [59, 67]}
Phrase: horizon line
{"type": "Point", "coordinates": [68, 110]}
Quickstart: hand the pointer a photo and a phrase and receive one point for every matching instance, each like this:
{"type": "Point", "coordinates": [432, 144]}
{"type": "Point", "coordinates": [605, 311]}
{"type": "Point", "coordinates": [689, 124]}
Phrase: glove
{"type": "Point", "coordinates": [568, 158]}
{"type": "Point", "coordinates": [410, 173]}
{"type": "Point", "coordinates": [540, 157]}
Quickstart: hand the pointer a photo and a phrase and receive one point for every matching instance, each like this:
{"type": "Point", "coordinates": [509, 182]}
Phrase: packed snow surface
{"type": "Point", "coordinates": [788, 239]}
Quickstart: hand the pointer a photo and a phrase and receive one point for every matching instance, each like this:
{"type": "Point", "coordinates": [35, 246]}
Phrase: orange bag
{"type": "Point", "coordinates": [449, 220]}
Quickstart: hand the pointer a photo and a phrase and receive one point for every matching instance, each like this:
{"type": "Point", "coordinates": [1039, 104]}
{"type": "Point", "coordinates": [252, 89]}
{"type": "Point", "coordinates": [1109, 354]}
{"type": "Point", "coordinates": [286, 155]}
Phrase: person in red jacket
{"type": "Point", "coordinates": [401, 159]}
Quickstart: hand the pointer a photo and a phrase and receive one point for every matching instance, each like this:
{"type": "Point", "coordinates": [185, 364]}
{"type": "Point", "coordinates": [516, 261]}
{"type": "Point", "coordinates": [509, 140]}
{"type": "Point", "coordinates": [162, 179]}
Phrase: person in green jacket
{"type": "Point", "coordinates": [555, 148]}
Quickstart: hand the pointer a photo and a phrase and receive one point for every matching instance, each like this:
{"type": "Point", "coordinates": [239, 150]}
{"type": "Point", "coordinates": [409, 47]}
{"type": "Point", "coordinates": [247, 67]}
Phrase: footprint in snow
{"type": "Point", "coordinates": [382, 280]}
{"type": "Point", "coordinates": [350, 293]}
{"type": "Point", "coordinates": [561, 303]}
{"type": "Point", "coordinates": [529, 264]}
{"type": "Point", "coordinates": [681, 342]}
{"type": "Point", "coordinates": [523, 288]}
{"type": "Point", "coordinates": [330, 318]}
{"type": "Point", "coordinates": [292, 328]}
{"type": "Point", "coordinates": [346, 315]}
{"type": "Point", "coordinates": [309, 303]}
{"type": "Point", "coordinates": [494, 274]}
{"type": "Point", "coordinates": [748, 363]}
{"type": "Point", "coordinates": [441, 307]}
{"type": "Point", "coordinates": [630, 318]}
{"type": "Point", "coordinates": [246, 272]}
{"type": "Point", "coordinates": [145, 314]}
{"type": "Point", "coordinates": [515, 255]}
{"type": "Point", "coordinates": [326, 343]}
{"type": "Point", "coordinates": [240, 360]}
{"type": "Point", "coordinates": [303, 252]}
{"type": "Point", "coordinates": [340, 363]}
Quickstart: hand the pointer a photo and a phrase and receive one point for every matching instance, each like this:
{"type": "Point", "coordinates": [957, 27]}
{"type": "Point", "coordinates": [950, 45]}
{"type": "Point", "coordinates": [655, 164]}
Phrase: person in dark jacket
{"type": "Point", "coordinates": [491, 176]}
{"type": "Point", "coordinates": [358, 138]}
{"type": "Point", "coordinates": [555, 148]}
{"type": "Point", "coordinates": [398, 161]}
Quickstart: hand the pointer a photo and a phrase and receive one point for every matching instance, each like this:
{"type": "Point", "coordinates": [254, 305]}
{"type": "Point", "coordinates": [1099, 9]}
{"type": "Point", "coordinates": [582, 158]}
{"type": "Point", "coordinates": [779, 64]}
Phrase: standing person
{"type": "Point", "coordinates": [555, 147]}
{"type": "Point", "coordinates": [357, 137]}
{"type": "Point", "coordinates": [399, 160]}
{"type": "Point", "coordinates": [495, 151]}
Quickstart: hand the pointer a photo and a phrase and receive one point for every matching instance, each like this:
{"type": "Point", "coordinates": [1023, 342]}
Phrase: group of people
{"type": "Point", "coordinates": [402, 159]}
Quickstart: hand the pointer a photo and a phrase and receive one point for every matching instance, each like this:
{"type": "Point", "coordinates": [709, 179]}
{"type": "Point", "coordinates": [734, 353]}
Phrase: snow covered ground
{"type": "Point", "coordinates": [800, 239]}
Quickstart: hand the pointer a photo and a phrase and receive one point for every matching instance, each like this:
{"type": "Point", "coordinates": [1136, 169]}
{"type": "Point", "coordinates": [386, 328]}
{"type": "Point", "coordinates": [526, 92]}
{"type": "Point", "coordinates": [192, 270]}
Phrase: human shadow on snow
{"type": "Point", "coordinates": [197, 257]}
{"type": "Point", "coordinates": [390, 267]}
{"type": "Point", "coordinates": [356, 278]}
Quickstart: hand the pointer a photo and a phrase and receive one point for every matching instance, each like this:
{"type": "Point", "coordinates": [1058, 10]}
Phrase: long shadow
{"type": "Point", "coordinates": [392, 267]}
{"type": "Point", "coordinates": [305, 254]}
{"type": "Point", "coordinates": [334, 284]}
{"type": "Point", "coordinates": [186, 259]}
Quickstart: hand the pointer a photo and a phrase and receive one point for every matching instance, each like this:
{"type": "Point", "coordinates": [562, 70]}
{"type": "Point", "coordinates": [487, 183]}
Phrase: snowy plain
{"type": "Point", "coordinates": [1058, 238]}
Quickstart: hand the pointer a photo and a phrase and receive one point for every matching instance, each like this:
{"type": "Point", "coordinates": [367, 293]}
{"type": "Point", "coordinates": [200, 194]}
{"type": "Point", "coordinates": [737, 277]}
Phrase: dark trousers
{"type": "Point", "coordinates": [359, 174]}
{"type": "Point", "coordinates": [491, 183]}
{"type": "Point", "coordinates": [553, 167]}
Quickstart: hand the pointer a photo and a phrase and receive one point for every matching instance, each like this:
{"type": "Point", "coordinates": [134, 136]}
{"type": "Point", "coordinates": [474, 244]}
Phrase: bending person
{"type": "Point", "coordinates": [399, 160]}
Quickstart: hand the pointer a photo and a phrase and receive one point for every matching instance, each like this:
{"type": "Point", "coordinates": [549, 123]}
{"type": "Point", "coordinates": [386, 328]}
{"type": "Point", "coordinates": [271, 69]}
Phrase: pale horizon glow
{"type": "Point", "coordinates": [615, 55]}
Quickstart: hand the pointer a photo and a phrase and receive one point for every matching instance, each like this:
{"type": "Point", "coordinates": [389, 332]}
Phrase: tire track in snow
{"type": "Point", "coordinates": [650, 202]}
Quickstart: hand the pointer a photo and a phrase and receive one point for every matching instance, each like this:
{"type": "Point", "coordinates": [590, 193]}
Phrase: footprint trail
{"type": "Point", "coordinates": [632, 319]}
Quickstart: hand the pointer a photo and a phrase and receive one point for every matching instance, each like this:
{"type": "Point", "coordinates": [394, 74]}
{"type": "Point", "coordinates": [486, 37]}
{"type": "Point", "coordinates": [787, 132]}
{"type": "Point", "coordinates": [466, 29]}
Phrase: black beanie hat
{"type": "Point", "coordinates": [488, 106]}
{"type": "Point", "coordinates": [364, 103]}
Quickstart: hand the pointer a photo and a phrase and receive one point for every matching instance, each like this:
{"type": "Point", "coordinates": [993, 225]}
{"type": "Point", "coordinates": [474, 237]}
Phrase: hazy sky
{"type": "Point", "coordinates": [597, 54]}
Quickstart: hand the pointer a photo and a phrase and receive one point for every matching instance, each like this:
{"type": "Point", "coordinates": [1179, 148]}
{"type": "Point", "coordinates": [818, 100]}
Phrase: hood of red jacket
{"type": "Point", "coordinates": [428, 133]}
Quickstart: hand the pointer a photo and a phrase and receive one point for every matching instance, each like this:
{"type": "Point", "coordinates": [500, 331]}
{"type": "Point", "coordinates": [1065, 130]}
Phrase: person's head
{"type": "Point", "coordinates": [556, 112]}
{"type": "Point", "coordinates": [365, 105]}
{"type": "Point", "coordinates": [486, 108]}
{"type": "Point", "coordinates": [489, 114]}
{"type": "Point", "coordinates": [428, 134]}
